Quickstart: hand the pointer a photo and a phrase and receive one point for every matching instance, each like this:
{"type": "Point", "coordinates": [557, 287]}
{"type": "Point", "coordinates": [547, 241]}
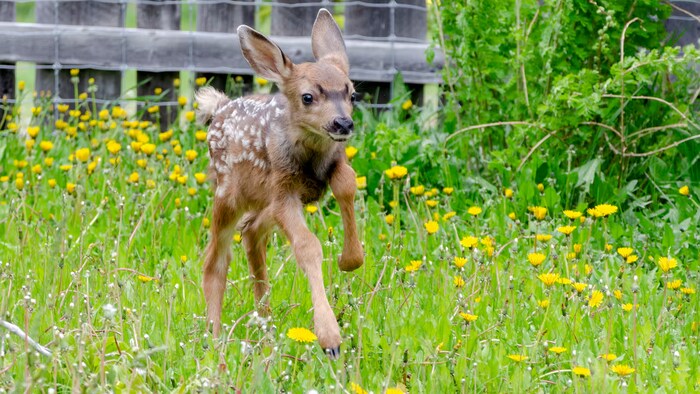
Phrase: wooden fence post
{"type": "Point", "coordinates": [162, 17]}
{"type": "Point", "coordinates": [372, 21]}
{"type": "Point", "coordinates": [7, 76]}
{"type": "Point", "coordinates": [293, 21]}
{"type": "Point", "coordinates": [225, 18]}
{"type": "Point", "coordinates": [80, 13]}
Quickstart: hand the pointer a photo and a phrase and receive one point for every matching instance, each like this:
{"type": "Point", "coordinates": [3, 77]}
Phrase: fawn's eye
{"type": "Point", "coordinates": [353, 97]}
{"type": "Point", "coordinates": [307, 99]}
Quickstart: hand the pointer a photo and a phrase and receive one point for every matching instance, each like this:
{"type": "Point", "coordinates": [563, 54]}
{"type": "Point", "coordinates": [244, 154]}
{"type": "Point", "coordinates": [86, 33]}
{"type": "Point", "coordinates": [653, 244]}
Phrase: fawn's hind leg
{"type": "Point", "coordinates": [255, 233]}
{"type": "Point", "coordinates": [217, 260]}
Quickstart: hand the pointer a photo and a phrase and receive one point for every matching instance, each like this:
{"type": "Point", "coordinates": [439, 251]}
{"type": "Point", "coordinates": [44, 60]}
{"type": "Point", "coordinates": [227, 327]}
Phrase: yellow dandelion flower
{"type": "Point", "coordinates": [150, 184]}
{"type": "Point", "coordinates": [548, 278]}
{"type": "Point", "coordinates": [134, 177]}
{"type": "Point", "coordinates": [628, 307]}
{"type": "Point", "coordinates": [517, 357]}
{"type": "Point", "coordinates": [82, 154]}
{"type": "Point", "coordinates": [448, 190]}
{"type": "Point", "coordinates": [52, 183]}
{"type": "Point", "coordinates": [581, 371]}
{"type": "Point", "coordinates": [145, 279]}
{"type": "Point", "coordinates": [617, 294]}
{"type": "Point", "coordinates": [394, 390]}
{"type": "Point", "coordinates": [580, 287]}
{"type": "Point", "coordinates": [688, 290]}
{"type": "Point", "coordinates": [543, 303]}
{"type": "Point", "coordinates": [536, 258]}
{"type": "Point", "coordinates": [511, 216]}
{"type": "Point", "coordinates": [431, 203]}
{"type": "Point", "coordinates": [564, 281]}
{"type": "Point", "coordinates": [261, 81]}
{"type": "Point", "coordinates": [407, 105]}
{"type": "Point", "coordinates": [200, 81]}
{"type": "Point", "coordinates": [474, 211]}
{"type": "Point", "coordinates": [200, 177]}
{"type": "Point", "coordinates": [357, 389]}
{"type": "Point", "coordinates": [70, 187]}
{"type": "Point", "coordinates": [389, 219]}
{"type": "Point", "coordinates": [417, 190]}
{"type": "Point", "coordinates": [449, 215]}
{"type": "Point", "coordinates": [602, 210]}
{"type": "Point", "coordinates": [113, 147]}
{"type": "Point", "coordinates": [460, 261]}
{"type": "Point", "coordinates": [396, 172]}
{"type": "Point", "coordinates": [543, 237]}
{"type": "Point", "coordinates": [361, 182]}
{"type": "Point", "coordinates": [573, 215]}
{"type": "Point", "coordinates": [577, 248]}
{"type": "Point", "coordinates": [557, 349]}
{"type": "Point", "coordinates": [414, 266]}
{"type": "Point", "coordinates": [431, 226]}
{"type": "Point", "coordinates": [508, 192]}
{"type": "Point", "coordinates": [458, 281]}
{"type": "Point", "coordinates": [469, 242]}
{"type": "Point", "coordinates": [674, 284]}
{"type": "Point", "coordinates": [301, 334]}
{"type": "Point", "coordinates": [310, 208]}
{"type": "Point", "coordinates": [666, 263]}
{"type": "Point", "coordinates": [596, 299]}
{"type": "Point", "coordinates": [624, 252]}
{"type": "Point", "coordinates": [538, 212]}
{"type": "Point", "coordinates": [684, 191]}
{"type": "Point", "coordinates": [350, 152]}
{"type": "Point", "coordinates": [566, 230]}
{"type": "Point", "coordinates": [190, 155]}
{"type": "Point", "coordinates": [148, 148]}
{"type": "Point", "coordinates": [608, 356]}
{"type": "Point", "coordinates": [200, 135]}
{"type": "Point", "coordinates": [632, 259]}
{"type": "Point", "coordinates": [468, 317]}
{"type": "Point", "coordinates": [622, 369]}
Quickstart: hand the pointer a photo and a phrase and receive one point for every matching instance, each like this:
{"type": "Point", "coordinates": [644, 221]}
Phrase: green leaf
{"type": "Point", "coordinates": [587, 173]}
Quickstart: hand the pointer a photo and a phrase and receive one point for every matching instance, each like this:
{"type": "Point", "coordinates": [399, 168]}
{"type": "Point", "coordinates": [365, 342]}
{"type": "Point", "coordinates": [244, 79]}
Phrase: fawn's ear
{"type": "Point", "coordinates": [327, 42]}
{"type": "Point", "coordinates": [264, 56]}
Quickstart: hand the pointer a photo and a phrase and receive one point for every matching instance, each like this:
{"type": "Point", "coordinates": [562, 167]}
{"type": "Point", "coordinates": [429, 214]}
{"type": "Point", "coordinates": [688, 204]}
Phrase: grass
{"type": "Point", "coordinates": [106, 273]}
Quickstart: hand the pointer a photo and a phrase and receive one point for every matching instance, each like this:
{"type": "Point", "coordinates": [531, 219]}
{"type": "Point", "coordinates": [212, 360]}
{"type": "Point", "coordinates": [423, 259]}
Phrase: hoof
{"type": "Point", "coordinates": [333, 353]}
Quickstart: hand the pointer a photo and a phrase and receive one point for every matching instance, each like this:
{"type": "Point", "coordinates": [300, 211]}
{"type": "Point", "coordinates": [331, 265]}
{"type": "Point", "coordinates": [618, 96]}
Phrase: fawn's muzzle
{"type": "Point", "coordinates": [341, 129]}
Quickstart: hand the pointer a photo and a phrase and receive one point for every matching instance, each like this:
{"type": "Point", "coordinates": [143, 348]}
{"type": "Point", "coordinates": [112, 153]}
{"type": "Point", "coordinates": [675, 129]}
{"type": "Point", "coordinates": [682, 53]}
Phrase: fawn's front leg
{"type": "Point", "coordinates": [309, 256]}
{"type": "Point", "coordinates": [343, 184]}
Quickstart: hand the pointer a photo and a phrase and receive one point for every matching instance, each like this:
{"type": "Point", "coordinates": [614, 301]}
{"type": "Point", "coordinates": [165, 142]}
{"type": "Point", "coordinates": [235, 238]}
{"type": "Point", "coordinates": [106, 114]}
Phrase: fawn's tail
{"type": "Point", "coordinates": [208, 101]}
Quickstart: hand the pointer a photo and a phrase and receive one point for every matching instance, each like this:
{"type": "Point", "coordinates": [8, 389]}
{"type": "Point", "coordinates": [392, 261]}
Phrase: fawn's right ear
{"type": "Point", "coordinates": [264, 56]}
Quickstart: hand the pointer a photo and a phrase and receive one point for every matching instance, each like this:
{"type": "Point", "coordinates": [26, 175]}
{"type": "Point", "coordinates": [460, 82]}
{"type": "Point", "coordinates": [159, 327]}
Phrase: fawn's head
{"type": "Point", "coordinates": [320, 94]}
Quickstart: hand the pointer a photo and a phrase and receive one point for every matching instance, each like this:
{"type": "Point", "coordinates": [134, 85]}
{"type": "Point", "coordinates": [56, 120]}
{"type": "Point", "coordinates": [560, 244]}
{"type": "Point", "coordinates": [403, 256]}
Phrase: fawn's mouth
{"type": "Point", "coordinates": [337, 137]}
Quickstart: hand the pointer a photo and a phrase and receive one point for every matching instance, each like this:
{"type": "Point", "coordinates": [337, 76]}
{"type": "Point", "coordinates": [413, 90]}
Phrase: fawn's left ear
{"type": "Point", "coordinates": [327, 42]}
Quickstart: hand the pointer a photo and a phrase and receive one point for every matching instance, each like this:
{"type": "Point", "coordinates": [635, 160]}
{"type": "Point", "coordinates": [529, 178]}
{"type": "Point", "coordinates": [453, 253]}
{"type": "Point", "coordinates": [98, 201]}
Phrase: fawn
{"type": "Point", "coordinates": [271, 155]}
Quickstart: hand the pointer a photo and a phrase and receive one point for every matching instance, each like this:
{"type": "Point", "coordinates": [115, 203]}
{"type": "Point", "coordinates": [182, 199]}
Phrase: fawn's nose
{"type": "Point", "coordinates": [343, 125]}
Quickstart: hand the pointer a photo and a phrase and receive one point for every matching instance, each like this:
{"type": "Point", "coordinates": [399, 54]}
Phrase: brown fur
{"type": "Point", "coordinates": [271, 155]}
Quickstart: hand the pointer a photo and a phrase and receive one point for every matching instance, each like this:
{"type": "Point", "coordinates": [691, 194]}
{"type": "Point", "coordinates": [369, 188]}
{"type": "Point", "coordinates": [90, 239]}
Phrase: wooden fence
{"type": "Point", "coordinates": [383, 37]}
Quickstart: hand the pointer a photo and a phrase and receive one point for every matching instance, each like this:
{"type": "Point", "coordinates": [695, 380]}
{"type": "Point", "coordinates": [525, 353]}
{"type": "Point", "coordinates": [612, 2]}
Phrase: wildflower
{"type": "Point", "coordinates": [190, 155]}
{"type": "Point", "coordinates": [474, 211]}
{"type": "Point", "coordinates": [624, 252]}
{"type": "Point", "coordinates": [52, 183]}
{"type": "Point", "coordinates": [29, 143]}
{"type": "Point", "coordinates": [113, 147]}
{"type": "Point", "coordinates": [48, 161]}
{"type": "Point", "coordinates": [394, 390]}
{"type": "Point", "coordinates": [36, 169]}
{"type": "Point", "coordinates": [396, 172]}
{"type": "Point", "coordinates": [508, 192]}
{"type": "Point", "coordinates": [148, 148]}
{"type": "Point", "coordinates": [200, 135]}
{"type": "Point", "coordinates": [449, 215]}
{"type": "Point", "coordinates": [182, 100]}
{"type": "Point", "coordinates": [417, 190]}
{"type": "Point", "coordinates": [46, 145]}
{"type": "Point", "coordinates": [177, 149]}
{"type": "Point", "coordinates": [543, 303]}
{"type": "Point", "coordinates": [33, 131]}
{"type": "Point", "coordinates": [608, 356]}
{"type": "Point", "coordinates": [580, 287]}
{"type": "Point", "coordinates": [189, 116]}
{"type": "Point", "coordinates": [540, 187]}
{"type": "Point", "coordinates": [674, 284]}
{"type": "Point", "coordinates": [134, 177]}
{"type": "Point", "coordinates": [66, 167]}
{"type": "Point", "coordinates": [602, 210]}
{"type": "Point", "coordinates": [389, 219]}
{"type": "Point", "coordinates": [628, 307]}
{"type": "Point", "coordinates": [407, 105]}
{"type": "Point", "coordinates": [458, 281]}
{"type": "Point", "coordinates": [237, 237]}
{"type": "Point", "coordinates": [617, 294]}
{"type": "Point", "coordinates": [566, 230]}
{"type": "Point", "coordinates": [146, 279]}
{"type": "Point", "coordinates": [608, 247]}
{"type": "Point", "coordinates": [200, 81]}
{"type": "Point", "coordinates": [517, 357]}
{"type": "Point", "coordinates": [666, 264]}
{"type": "Point", "coordinates": [36, 111]}
{"type": "Point", "coordinates": [557, 349]}
{"type": "Point", "coordinates": [511, 216]}
{"type": "Point", "coordinates": [20, 85]}
{"type": "Point", "coordinates": [538, 212]}
{"type": "Point", "coordinates": [166, 135]}
{"type": "Point", "coordinates": [543, 237]}
{"type": "Point", "coordinates": [548, 278]}
{"type": "Point", "coordinates": [357, 389]}
{"type": "Point", "coordinates": [150, 184]}
{"type": "Point", "coordinates": [684, 191]}
{"type": "Point", "coordinates": [468, 317]}
{"type": "Point", "coordinates": [361, 182]}
{"type": "Point", "coordinates": [622, 369]}
{"type": "Point", "coordinates": [431, 203]}
{"type": "Point", "coordinates": [448, 190]}
{"type": "Point", "coordinates": [469, 242]}
{"type": "Point", "coordinates": [431, 226]}
{"type": "Point", "coordinates": [536, 258]}
{"type": "Point", "coordinates": [70, 187]}
{"type": "Point", "coordinates": [19, 183]}
{"type": "Point", "coordinates": [350, 152]}
{"type": "Point", "coordinates": [393, 204]}
{"type": "Point", "coordinates": [178, 202]}
{"type": "Point", "coordinates": [205, 222]}
{"type": "Point", "coordinates": [310, 208]}
{"type": "Point", "coordinates": [460, 261]}
{"type": "Point", "coordinates": [581, 371]}
{"type": "Point", "coordinates": [414, 266]}
{"type": "Point", "coordinates": [631, 259]}
{"type": "Point", "coordinates": [261, 81]}
{"type": "Point", "coordinates": [200, 177]}
{"type": "Point", "coordinates": [176, 82]}
{"type": "Point", "coordinates": [564, 281]}
{"type": "Point", "coordinates": [152, 109]}
{"type": "Point", "coordinates": [688, 290]}
{"type": "Point", "coordinates": [301, 335]}
{"type": "Point", "coordinates": [577, 248]}
{"type": "Point", "coordinates": [573, 215]}
{"type": "Point", "coordinates": [596, 299]}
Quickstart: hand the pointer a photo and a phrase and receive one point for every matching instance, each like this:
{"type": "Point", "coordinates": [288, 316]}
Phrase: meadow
{"type": "Point", "coordinates": [518, 284]}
